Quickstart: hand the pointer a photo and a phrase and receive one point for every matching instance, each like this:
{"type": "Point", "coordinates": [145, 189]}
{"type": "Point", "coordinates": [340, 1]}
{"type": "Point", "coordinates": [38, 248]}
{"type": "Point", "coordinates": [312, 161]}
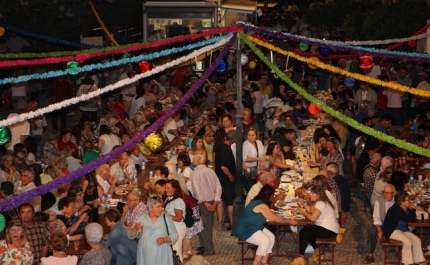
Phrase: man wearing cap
{"type": "Point", "coordinates": [421, 103]}
{"type": "Point", "coordinates": [366, 95]}
{"type": "Point", "coordinates": [370, 172]}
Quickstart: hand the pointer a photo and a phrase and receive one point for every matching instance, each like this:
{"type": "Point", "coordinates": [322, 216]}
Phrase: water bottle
{"type": "Point", "coordinates": [134, 173]}
{"type": "Point", "coordinates": [411, 178]}
{"type": "Point", "coordinates": [300, 164]}
{"type": "Point", "coordinates": [109, 196]}
{"type": "Point", "coordinates": [143, 166]}
{"type": "Point", "coordinates": [151, 175]}
{"type": "Point", "coordinates": [81, 151]}
{"type": "Point", "coordinates": [68, 239]}
{"type": "Point", "coordinates": [104, 198]}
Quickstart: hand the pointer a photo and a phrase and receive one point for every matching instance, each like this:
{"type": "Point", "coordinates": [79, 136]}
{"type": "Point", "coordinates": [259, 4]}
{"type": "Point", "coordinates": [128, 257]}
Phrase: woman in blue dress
{"type": "Point", "coordinates": [154, 247]}
{"type": "Point", "coordinates": [250, 226]}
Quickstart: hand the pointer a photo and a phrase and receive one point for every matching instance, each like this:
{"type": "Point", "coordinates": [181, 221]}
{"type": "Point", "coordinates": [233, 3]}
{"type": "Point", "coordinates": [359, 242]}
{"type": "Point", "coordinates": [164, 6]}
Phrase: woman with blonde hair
{"type": "Point", "coordinates": [197, 147]}
{"type": "Point", "coordinates": [15, 246]}
{"type": "Point", "coordinates": [55, 172]}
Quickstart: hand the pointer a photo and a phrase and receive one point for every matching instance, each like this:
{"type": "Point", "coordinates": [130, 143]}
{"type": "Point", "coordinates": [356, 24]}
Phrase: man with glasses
{"type": "Point", "coordinates": [132, 209]}
{"type": "Point", "coordinates": [382, 204]}
{"type": "Point", "coordinates": [37, 236]}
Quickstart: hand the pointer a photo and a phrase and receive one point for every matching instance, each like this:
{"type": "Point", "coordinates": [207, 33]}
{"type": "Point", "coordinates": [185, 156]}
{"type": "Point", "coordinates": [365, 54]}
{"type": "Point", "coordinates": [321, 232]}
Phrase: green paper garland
{"type": "Point", "coordinates": [5, 135]}
{"type": "Point", "coordinates": [351, 122]}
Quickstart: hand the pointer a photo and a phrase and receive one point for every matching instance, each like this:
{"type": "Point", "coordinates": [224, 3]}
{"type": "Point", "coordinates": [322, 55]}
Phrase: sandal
{"type": "Point", "coordinates": [368, 259]}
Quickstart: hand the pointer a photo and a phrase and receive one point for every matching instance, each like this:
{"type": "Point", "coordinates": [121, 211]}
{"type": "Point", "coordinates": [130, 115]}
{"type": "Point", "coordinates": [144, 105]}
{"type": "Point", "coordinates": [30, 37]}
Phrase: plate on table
{"type": "Point", "coordinates": [121, 193]}
{"type": "Point", "coordinates": [281, 204]}
{"type": "Point", "coordinates": [123, 186]}
{"type": "Point", "coordinates": [299, 217]}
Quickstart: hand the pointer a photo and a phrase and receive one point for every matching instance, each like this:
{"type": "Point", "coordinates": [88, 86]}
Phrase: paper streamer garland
{"type": "Point", "coordinates": [48, 39]}
{"type": "Point", "coordinates": [400, 43]}
{"type": "Point", "coordinates": [422, 57]}
{"type": "Point", "coordinates": [351, 122]}
{"type": "Point", "coordinates": [42, 189]}
{"type": "Point", "coordinates": [103, 25]}
{"type": "Point", "coordinates": [90, 53]}
{"type": "Point", "coordinates": [90, 67]}
{"type": "Point", "coordinates": [314, 62]}
{"type": "Point", "coordinates": [124, 82]}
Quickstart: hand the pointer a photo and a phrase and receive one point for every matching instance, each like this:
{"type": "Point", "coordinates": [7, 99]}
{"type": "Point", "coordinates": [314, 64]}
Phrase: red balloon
{"type": "Point", "coordinates": [365, 62]}
{"type": "Point", "coordinates": [314, 109]}
{"type": "Point", "coordinates": [412, 43]}
{"type": "Point", "coordinates": [144, 66]}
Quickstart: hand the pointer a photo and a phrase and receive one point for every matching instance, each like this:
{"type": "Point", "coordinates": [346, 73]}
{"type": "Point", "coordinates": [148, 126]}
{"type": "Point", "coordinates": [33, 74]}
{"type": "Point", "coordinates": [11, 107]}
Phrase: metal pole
{"type": "Point", "coordinates": [239, 202]}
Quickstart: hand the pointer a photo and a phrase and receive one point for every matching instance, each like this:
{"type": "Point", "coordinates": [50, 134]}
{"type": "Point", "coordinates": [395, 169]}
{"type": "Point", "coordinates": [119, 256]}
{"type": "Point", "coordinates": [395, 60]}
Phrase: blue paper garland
{"type": "Point", "coordinates": [123, 61]}
{"type": "Point", "coordinates": [49, 39]}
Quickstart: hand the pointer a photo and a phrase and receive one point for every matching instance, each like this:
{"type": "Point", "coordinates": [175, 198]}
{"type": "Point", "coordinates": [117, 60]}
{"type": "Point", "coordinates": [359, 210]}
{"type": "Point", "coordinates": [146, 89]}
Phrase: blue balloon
{"type": "Point", "coordinates": [222, 66]}
{"type": "Point", "coordinates": [324, 51]}
{"type": "Point", "coordinates": [349, 81]}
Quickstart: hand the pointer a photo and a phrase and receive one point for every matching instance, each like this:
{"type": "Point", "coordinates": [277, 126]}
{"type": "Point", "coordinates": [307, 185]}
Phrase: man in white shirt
{"type": "Point", "coordinates": [266, 178]}
{"type": "Point", "coordinates": [382, 204]}
{"type": "Point", "coordinates": [105, 180]}
{"type": "Point", "coordinates": [137, 104]}
{"type": "Point", "coordinates": [27, 178]}
{"type": "Point", "coordinates": [170, 127]}
{"type": "Point", "coordinates": [19, 130]}
{"type": "Point", "coordinates": [207, 190]}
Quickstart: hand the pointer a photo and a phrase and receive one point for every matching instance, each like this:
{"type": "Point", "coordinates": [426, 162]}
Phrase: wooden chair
{"type": "Point", "coordinates": [245, 246]}
{"type": "Point", "coordinates": [327, 243]}
{"type": "Point", "coordinates": [389, 245]}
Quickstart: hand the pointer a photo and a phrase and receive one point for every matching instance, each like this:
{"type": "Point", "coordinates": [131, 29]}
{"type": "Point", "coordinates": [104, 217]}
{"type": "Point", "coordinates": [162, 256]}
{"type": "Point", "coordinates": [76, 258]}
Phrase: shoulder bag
{"type": "Point", "coordinates": [176, 259]}
{"type": "Point", "coordinates": [252, 174]}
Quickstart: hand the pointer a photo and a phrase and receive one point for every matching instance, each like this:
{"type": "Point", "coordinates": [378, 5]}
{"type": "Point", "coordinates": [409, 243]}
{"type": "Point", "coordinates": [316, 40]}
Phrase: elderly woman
{"type": "Point", "coordinates": [58, 244]}
{"type": "Point", "coordinates": [323, 214]}
{"type": "Point", "coordinates": [396, 224]}
{"type": "Point", "coordinates": [50, 148]}
{"type": "Point", "coordinates": [250, 226]}
{"type": "Point", "coordinates": [157, 232]}
{"type": "Point", "coordinates": [123, 248]}
{"type": "Point", "coordinates": [15, 246]}
{"type": "Point", "coordinates": [99, 254]}
{"type": "Point", "coordinates": [8, 169]}
{"type": "Point", "coordinates": [380, 182]}
{"type": "Point", "coordinates": [55, 224]}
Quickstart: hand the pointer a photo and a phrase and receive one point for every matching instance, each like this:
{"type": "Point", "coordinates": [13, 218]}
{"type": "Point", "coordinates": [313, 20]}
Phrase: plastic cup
{"type": "Point", "coordinates": [420, 177]}
{"type": "Point", "coordinates": [76, 244]}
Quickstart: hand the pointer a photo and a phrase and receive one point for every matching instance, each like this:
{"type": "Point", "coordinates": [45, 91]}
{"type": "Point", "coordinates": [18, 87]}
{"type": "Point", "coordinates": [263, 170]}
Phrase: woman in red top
{"type": "Point", "coordinates": [66, 135]}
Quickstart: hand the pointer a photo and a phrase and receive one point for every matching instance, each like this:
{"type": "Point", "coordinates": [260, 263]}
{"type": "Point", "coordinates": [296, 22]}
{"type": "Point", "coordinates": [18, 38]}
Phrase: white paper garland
{"type": "Point", "coordinates": [85, 97]}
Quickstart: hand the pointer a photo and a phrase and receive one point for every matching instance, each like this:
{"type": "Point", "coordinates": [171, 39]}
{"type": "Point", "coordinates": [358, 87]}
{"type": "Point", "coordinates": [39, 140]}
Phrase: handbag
{"type": "Point", "coordinates": [252, 173]}
{"type": "Point", "coordinates": [176, 258]}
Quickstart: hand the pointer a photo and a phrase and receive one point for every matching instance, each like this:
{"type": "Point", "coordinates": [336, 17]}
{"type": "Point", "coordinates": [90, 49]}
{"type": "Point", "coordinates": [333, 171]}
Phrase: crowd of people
{"type": "Point", "coordinates": [198, 178]}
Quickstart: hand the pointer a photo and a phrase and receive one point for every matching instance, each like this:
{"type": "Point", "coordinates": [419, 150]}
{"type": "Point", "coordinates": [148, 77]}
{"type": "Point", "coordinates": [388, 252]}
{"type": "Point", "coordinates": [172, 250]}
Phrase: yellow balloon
{"type": "Point", "coordinates": [154, 141]}
{"type": "Point", "coordinates": [252, 64]}
{"type": "Point", "coordinates": [2, 30]}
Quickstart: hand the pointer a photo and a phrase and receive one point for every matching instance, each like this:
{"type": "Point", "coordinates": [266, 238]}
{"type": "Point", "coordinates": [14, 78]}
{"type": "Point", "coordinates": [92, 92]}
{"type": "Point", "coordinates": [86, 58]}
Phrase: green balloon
{"type": "Point", "coordinates": [303, 46]}
{"type": "Point", "coordinates": [5, 135]}
{"type": "Point", "coordinates": [127, 55]}
{"type": "Point", "coordinates": [2, 222]}
{"type": "Point", "coordinates": [72, 67]}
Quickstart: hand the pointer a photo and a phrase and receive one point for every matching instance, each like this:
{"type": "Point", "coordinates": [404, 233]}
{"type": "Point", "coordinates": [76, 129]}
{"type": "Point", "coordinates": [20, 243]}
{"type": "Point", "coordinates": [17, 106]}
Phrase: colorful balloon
{"type": "Point", "coordinates": [324, 51]}
{"type": "Point", "coordinates": [244, 59]}
{"type": "Point", "coordinates": [144, 66]}
{"type": "Point", "coordinates": [313, 66]}
{"type": "Point", "coordinates": [314, 109]}
{"type": "Point", "coordinates": [5, 135]}
{"type": "Point", "coordinates": [365, 62]}
{"type": "Point", "coordinates": [72, 67]}
{"type": "Point", "coordinates": [222, 66]}
{"type": "Point", "coordinates": [303, 46]}
{"type": "Point", "coordinates": [2, 31]}
{"type": "Point", "coordinates": [349, 81]}
{"type": "Point", "coordinates": [127, 55]}
{"type": "Point", "coordinates": [412, 43]}
{"type": "Point", "coordinates": [2, 222]}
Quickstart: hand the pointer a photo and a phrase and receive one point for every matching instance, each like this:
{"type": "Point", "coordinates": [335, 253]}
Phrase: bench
{"type": "Point", "coordinates": [245, 246]}
{"type": "Point", "coordinates": [327, 243]}
{"type": "Point", "coordinates": [388, 246]}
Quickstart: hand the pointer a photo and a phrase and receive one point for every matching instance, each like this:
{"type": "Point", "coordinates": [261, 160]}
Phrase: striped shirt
{"type": "Point", "coordinates": [206, 185]}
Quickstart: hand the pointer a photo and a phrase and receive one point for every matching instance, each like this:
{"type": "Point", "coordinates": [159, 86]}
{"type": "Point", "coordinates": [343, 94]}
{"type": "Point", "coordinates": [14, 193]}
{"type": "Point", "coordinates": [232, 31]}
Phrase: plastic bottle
{"type": "Point", "coordinates": [151, 175]}
{"type": "Point", "coordinates": [68, 238]}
